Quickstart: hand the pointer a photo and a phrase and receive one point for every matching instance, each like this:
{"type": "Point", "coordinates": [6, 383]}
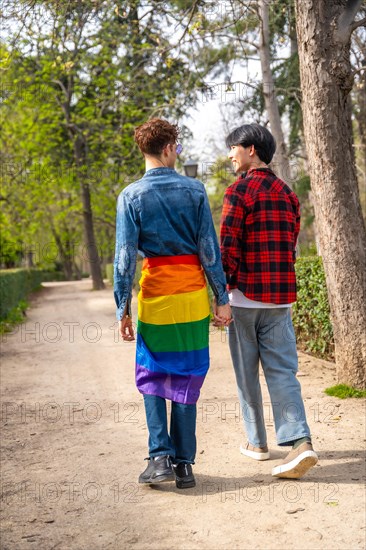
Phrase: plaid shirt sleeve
{"type": "Point", "coordinates": [297, 225]}
{"type": "Point", "coordinates": [231, 231]}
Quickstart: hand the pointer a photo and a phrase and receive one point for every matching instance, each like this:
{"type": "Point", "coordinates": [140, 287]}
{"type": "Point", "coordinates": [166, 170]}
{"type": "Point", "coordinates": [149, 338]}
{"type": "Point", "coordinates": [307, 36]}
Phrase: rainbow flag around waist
{"type": "Point", "coordinates": [172, 356]}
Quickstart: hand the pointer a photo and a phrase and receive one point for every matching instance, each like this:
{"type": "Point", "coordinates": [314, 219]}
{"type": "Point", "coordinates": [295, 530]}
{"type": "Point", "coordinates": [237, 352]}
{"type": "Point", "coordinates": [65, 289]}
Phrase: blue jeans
{"type": "Point", "coordinates": [180, 444]}
{"type": "Point", "coordinates": [267, 335]}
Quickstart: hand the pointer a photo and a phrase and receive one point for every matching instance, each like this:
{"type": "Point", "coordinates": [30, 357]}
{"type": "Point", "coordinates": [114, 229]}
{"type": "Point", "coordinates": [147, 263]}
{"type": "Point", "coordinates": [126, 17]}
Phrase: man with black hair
{"type": "Point", "coordinates": [259, 230]}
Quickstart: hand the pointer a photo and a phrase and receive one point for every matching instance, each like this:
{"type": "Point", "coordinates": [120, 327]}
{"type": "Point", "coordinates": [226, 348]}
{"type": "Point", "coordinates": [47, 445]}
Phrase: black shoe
{"type": "Point", "coordinates": [184, 478]}
{"type": "Point", "coordinates": [159, 469]}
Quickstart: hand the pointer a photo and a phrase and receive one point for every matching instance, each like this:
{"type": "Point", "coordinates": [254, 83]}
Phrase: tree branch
{"type": "Point", "coordinates": [357, 24]}
{"type": "Point", "coordinates": [348, 14]}
{"type": "Point", "coordinates": [359, 70]}
{"type": "Point", "coordinates": [191, 15]}
{"type": "Point", "coordinates": [59, 83]}
{"type": "Point", "coordinates": [346, 21]}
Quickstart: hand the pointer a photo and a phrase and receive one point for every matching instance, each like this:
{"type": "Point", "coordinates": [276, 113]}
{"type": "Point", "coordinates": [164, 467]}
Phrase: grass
{"type": "Point", "coordinates": [342, 391]}
{"type": "Point", "coordinates": [14, 317]}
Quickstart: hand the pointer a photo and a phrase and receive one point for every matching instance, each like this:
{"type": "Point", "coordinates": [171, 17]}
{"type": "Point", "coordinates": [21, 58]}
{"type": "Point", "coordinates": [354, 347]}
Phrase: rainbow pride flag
{"type": "Point", "coordinates": [172, 356]}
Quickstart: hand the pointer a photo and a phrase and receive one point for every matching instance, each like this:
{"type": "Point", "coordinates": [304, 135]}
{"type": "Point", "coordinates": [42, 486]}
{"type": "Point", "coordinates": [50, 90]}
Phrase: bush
{"type": "Point", "coordinates": [311, 314]}
{"type": "Point", "coordinates": [51, 276]}
{"type": "Point", "coordinates": [109, 273]}
{"type": "Point", "coordinates": [13, 317]}
{"type": "Point", "coordinates": [16, 284]}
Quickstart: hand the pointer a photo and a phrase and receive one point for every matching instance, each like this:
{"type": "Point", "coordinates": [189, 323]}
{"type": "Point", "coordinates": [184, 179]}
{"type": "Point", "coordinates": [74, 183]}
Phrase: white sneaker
{"type": "Point", "coordinates": [258, 453]}
{"type": "Point", "coordinates": [297, 462]}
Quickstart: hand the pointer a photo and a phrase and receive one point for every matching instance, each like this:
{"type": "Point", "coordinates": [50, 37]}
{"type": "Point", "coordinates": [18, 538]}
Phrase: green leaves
{"type": "Point", "coordinates": [83, 76]}
{"type": "Point", "coordinates": [311, 313]}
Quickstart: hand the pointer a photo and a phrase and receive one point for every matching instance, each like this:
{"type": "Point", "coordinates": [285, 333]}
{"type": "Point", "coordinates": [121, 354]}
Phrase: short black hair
{"type": "Point", "coordinates": [257, 135]}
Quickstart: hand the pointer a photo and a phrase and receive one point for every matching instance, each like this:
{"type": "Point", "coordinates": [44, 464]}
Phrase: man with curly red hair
{"type": "Point", "coordinates": [166, 218]}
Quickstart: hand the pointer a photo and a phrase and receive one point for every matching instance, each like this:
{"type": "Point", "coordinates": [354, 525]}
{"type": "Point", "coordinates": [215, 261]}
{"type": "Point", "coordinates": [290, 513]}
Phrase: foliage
{"type": "Point", "coordinates": [52, 276]}
{"type": "Point", "coordinates": [14, 316]}
{"type": "Point", "coordinates": [220, 176]}
{"type": "Point", "coordinates": [109, 272]}
{"type": "Point", "coordinates": [78, 77]}
{"type": "Point", "coordinates": [311, 314]}
{"type": "Point", "coordinates": [16, 284]}
{"type": "Point", "coordinates": [306, 238]}
{"type": "Point", "coordinates": [235, 35]}
{"type": "Point", "coordinates": [287, 83]}
{"type": "Point", "coordinates": [85, 73]}
{"type": "Point", "coordinates": [342, 391]}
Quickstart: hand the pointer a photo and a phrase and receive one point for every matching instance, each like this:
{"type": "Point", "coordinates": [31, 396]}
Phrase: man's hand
{"type": "Point", "coordinates": [126, 329]}
{"type": "Point", "coordinates": [222, 315]}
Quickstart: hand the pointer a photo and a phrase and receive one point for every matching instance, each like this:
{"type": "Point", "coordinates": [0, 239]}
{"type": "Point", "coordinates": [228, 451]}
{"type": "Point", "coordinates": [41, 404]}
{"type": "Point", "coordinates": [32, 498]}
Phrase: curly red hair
{"type": "Point", "coordinates": [154, 135]}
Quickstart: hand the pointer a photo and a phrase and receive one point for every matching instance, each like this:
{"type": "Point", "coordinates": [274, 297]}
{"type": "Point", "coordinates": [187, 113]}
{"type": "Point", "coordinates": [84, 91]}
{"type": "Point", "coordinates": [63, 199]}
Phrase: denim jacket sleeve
{"type": "Point", "coordinates": [127, 235]}
{"type": "Point", "coordinates": [209, 253]}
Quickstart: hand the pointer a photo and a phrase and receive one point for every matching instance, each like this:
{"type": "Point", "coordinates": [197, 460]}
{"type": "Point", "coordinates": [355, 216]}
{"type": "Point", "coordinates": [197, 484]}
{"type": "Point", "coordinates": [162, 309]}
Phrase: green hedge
{"type": "Point", "coordinates": [109, 272]}
{"type": "Point", "coordinates": [16, 284]}
{"type": "Point", "coordinates": [311, 315]}
{"type": "Point", "coordinates": [52, 276]}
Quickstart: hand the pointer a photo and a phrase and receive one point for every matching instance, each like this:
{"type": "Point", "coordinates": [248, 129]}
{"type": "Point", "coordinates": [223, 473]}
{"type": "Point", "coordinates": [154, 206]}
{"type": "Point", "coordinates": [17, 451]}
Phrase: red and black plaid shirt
{"type": "Point", "coordinates": [259, 228]}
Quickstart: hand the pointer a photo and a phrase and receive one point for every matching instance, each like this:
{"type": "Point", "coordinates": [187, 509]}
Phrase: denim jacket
{"type": "Point", "coordinates": [164, 214]}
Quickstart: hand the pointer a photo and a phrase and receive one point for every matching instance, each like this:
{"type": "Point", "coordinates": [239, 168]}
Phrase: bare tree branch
{"type": "Point", "coordinates": [359, 23]}
{"type": "Point", "coordinates": [191, 15]}
{"type": "Point", "coordinates": [349, 13]}
{"type": "Point", "coordinates": [59, 83]}
{"type": "Point", "coordinates": [346, 21]}
{"type": "Point", "coordinates": [359, 70]}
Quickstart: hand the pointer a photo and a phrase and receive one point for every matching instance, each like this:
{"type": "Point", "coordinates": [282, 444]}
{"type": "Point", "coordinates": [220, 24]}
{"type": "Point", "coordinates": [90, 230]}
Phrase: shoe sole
{"type": "Point", "coordinates": [158, 479]}
{"type": "Point", "coordinates": [297, 467]}
{"type": "Point", "coordinates": [185, 484]}
{"type": "Point", "coordinates": [253, 454]}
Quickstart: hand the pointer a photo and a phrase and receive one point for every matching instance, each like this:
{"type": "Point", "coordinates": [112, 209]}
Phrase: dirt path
{"type": "Point", "coordinates": [74, 439]}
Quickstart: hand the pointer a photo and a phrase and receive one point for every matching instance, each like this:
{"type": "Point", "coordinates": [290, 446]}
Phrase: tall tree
{"type": "Point", "coordinates": [324, 34]}
{"type": "Point", "coordinates": [250, 30]}
{"type": "Point", "coordinates": [103, 69]}
{"type": "Point", "coordinates": [281, 160]}
{"type": "Point", "coordinates": [359, 106]}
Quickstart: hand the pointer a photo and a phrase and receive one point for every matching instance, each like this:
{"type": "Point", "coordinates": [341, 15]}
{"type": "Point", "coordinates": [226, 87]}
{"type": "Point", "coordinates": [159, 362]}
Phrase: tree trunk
{"type": "Point", "coordinates": [361, 123]}
{"type": "Point", "coordinates": [29, 260]}
{"type": "Point", "coordinates": [79, 146]}
{"type": "Point", "coordinates": [65, 257]}
{"type": "Point", "coordinates": [280, 162]}
{"type": "Point", "coordinates": [324, 30]}
{"type": "Point", "coordinates": [91, 247]}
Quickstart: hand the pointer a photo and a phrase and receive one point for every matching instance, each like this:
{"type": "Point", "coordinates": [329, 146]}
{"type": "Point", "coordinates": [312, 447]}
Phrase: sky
{"type": "Point", "coordinates": [213, 117]}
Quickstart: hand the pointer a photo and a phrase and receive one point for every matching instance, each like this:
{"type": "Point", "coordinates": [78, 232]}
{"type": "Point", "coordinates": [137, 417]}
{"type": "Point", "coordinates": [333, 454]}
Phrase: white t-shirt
{"type": "Point", "coordinates": [238, 299]}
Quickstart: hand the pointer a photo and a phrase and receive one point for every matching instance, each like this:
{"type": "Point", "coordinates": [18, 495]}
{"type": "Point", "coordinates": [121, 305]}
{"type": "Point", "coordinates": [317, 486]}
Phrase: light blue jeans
{"type": "Point", "coordinates": [267, 335]}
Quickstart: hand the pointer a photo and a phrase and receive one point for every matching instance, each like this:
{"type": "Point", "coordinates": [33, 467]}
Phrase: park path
{"type": "Point", "coordinates": [74, 438]}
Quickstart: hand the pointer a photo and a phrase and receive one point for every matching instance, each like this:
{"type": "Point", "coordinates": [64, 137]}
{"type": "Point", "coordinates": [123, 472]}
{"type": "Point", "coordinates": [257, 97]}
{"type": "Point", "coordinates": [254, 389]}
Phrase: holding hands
{"type": "Point", "coordinates": [222, 315]}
